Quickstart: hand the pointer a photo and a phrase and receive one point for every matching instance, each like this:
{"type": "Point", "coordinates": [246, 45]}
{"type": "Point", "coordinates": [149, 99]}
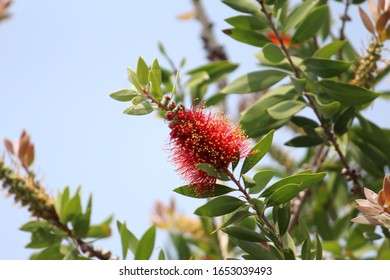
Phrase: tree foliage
{"type": "Point", "coordinates": [301, 208]}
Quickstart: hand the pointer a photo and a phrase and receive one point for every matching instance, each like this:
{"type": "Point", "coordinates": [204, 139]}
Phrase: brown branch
{"type": "Point", "coordinates": [214, 50]}
{"type": "Point", "coordinates": [344, 18]}
{"type": "Point", "coordinates": [31, 194]}
{"type": "Point", "coordinates": [278, 241]}
{"type": "Point", "coordinates": [351, 173]}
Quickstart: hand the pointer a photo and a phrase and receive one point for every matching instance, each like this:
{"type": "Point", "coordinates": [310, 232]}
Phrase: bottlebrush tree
{"type": "Point", "coordinates": [333, 203]}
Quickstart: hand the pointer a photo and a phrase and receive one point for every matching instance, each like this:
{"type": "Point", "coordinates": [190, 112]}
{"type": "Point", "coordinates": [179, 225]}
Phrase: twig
{"type": "Point", "coordinates": [32, 195]}
{"type": "Point", "coordinates": [276, 237]}
{"type": "Point", "coordinates": [215, 51]}
{"type": "Point", "coordinates": [353, 175]}
{"type": "Point", "coordinates": [344, 18]}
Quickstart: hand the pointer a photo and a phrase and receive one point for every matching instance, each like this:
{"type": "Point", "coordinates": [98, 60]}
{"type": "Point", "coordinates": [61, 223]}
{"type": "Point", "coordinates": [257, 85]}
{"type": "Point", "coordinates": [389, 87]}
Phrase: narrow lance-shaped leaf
{"type": "Point", "coordinates": [298, 14]}
{"type": "Point", "coordinates": [311, 24]}
{"type": "Point", "coordinates": [258, 152]}
{"type": "Point", "coordinates": [142, 108]}
{"type": "Point", "coordinates": [257, 22]}
{"type": "Point", "coordinates": [124, 95]}
{"type": "Point", "coordinates": [253, 38]}
{"type": "Point", "coordinates": [273, 53]}
{"type": "Point", "coordinates": [219, 206]}
{"type": "Point", "coordinates": [349, 95]}
{"type": "Point", "coordinates": [146, 244]}
{"type": "Point", "coordinates": [283, 195]}
{"type": "Point", "coordinates": [142, 71]}
{"type": "Point", "coordinates": [245, 6]}
{"type": "Point", "coordinates": [304, 180]}
{"type": "Point", "coordinates": [244, 234]}
{"type": "Point", "coordinates": [254, 81]}
{"type": "Point", "coordinates": [188, 191]}
{"type": "Point", "coordinates": [134, 80]}
{"type": "Point", "coordinates": [286, 109]}
{"type": "Point", "coordinates": [326, 68]}
{"type": "Point", "coordinates": [261, 178]}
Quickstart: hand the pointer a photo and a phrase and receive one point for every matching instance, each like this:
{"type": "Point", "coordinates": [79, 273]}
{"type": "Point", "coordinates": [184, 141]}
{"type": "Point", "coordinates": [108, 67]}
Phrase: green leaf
{"type": "Point", "coordinates": [188, 191]}
{"type": "Point", "coordinates": [344, 121]}
{"type": "Point", "coordinates": [286, 109]}
{"type": "Point", "coordinates": [248, 181]}
{"type": "Point", "coordinates": [311, 24]}
{"type": "Point", "coordinates": [304, 180]}
{"type": "Point", "coordinates": [332, 246]}
{"type": "Point", "coordinates": [304, 122]}
{"type": "Point", "coordinates": [254, 81]}
{"type": "Point", "coordinates": [318, 248]}
{"type": "Point", "coordinates": [235, 218]}
{"type": "Point", "coordinates": [303, 228]}
{"type": "Point", "coordinates": [197, 79]}
{"type": "Point", "coordinates": [244, 234]}
{"type": "Point", "coordinates": [161, 255]}
{"type": "Point", "coordinates": [273, 53]}
{"type": "Point", "coordinates": [182, 246]}
{"type": "Point", "coordinates": [326, 107]}
{"type": "Point", "coordinates": [253, 38]}
{"type": "Point", "coordinates": [261, 178]}
{"type": "Point", "coordinates": [349, 95]}
{"type": "Point", "coordinates": [99, 231]}
{"type": "Point", "coordinates": [257, 152]}
{"type": "Point", "coordinates": [372, 133]}
{"type": "Point", "coordinates": [219, 206]}
{"type": "Point", "coordinates": [146, 244]}
{"type": "Point", "coordinates": [124, 94]}
{"type": "Point", "coordinates": [36, 225]}
{"type": "Point", "coordinates": [128, 239]}
{"type": "Point", "coordinates": [306, 250]}
{"type": "Point", "coordinates": [370, 235]}
{"type": "Point", "coordinates": [284, 216]}
{"type": "Point", "coordinates": [142, 108]}
{"type": "Point", "coordinates": [82, 222]}
{"type": "Point", "coordinates": [210, 170]}
{"type": "Point", "coordinates": [72, 208]}
{"type": "Point", "coordinates": [209, 73]}
{"type": "Point", "coordinates": [142, 71]}
{"type": "Point", "coordinates": [50, 253]}
{"type": "Point", "coordinates": [43, 238]}
{"type": "Point", "coordinates": [305, 141]}
{"type": "Point", "coordinates": [326, 68]}
{"type": "Point", "coordinates": [245, 6]}
{"type": "Point", "coordinates": [283, 194]}
{"type": "Point", "coordinates": [284, 64]}
{"type": "Point", "coordinates": [254, 250]}
{"type": "Point", "coordinates": [252, 22]}
{"type": "Point", "coordinates": [155, 88]}
{"type": "Point", "coordinates": [134, 80]}
{"type": "Point", "coordinates": [256, 121]}
{"type": "Point", "coordinates": [329, 50]}
{"type": "Point", "coordinates": [298, 15]}
{"type": "Point", "coordinates": [155, 79]}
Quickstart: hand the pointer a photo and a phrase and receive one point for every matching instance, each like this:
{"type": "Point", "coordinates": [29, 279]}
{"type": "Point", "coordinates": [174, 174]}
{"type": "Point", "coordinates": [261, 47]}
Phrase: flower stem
{"type": "Point", "coordinates": [276, 238]}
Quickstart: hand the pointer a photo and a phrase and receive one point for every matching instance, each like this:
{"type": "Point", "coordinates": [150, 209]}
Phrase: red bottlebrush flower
{"type": "Point", "coordinates": [201, 136]}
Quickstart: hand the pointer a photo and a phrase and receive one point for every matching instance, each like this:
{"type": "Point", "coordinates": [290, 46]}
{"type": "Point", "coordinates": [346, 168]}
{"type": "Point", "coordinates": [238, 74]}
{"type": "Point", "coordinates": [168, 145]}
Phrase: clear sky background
{"type": "Point", "coordinates": [59, 62]}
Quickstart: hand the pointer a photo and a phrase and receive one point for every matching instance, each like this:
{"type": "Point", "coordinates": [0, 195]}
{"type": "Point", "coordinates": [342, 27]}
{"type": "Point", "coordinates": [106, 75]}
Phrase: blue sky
{"type": "Point", "coordinates": [60, 60]}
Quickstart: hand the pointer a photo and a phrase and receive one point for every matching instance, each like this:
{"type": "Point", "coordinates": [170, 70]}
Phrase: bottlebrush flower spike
{"type": "Point", "coordinates": [201, 136]}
